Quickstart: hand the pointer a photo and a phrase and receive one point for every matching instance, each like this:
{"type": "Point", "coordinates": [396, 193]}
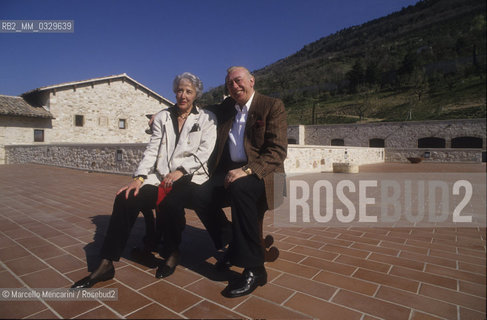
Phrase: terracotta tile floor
{"type": "Point", "coordinates": [52, 221]}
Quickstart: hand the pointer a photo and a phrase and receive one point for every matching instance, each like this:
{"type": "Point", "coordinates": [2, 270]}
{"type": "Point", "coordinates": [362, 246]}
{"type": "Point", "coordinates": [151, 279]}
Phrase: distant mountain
{"type": "Point", "coordinates": [426, 61]}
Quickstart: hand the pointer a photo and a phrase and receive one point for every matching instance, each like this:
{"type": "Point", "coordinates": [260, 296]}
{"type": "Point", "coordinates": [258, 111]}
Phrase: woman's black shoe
{"type": "Point", "coordinates": [88, 282]}
{"type": "Point", "coordinates": [165, 270]}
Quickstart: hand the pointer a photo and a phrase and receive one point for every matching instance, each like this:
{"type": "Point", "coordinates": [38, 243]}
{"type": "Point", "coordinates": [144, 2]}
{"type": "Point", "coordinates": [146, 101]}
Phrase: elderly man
{"type": "Point", "coordinates": [251, 147]}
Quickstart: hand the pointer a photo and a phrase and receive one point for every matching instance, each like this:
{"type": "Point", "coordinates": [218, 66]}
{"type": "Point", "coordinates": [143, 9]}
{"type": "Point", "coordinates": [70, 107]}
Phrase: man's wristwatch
{"type": "Point", "coordinates": [247, 170]}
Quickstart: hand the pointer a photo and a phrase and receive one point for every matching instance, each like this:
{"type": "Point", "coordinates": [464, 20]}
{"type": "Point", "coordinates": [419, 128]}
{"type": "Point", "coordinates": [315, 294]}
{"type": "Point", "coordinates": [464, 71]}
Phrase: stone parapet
{"type": "Point", "coordinates": [434, 155]}
{"type": "Point", "coordinates": [112, 158]}
{"type": "Point", "coordinates": [123, 158]}
{"type": "Point", "coordinates": [321, 158]}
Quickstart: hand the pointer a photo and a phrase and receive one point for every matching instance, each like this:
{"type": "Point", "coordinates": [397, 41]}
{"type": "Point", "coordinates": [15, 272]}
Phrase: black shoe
{"type": "Point", "coordinates": [247, 283]}
{"type": "Point", "coordinates": [164, 270]}
{"type": "Point", "coordinates": [88, 282]}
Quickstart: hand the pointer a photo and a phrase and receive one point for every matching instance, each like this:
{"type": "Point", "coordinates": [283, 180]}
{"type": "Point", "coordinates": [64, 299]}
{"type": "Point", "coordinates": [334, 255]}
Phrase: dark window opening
{"type": "Point", "coordinates": [467, 142]}
{"type": "Point", "coordinates": [79, 120]}
{"type": "Point", "coordinates": [376, 143]}
{"type": "Point", "coordinates": [119, 155]}
{"type": "Point", "coordinates": [291, 141]}
{"type": "Point", "coordinates": [122, 124]}
{"type": "Point", "coordinates": [337, 142]}
{"type": "Point", "coordinates": [431, 142]}
{"type": "Point", "coordinates": [38, 135]}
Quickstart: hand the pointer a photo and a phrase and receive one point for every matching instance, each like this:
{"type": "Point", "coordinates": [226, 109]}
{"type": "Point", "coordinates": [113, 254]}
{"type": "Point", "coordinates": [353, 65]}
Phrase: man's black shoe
{"type": "Point", "coordinates": [247, 283]}
{"type": "Point", "coordinates": [88, 282]}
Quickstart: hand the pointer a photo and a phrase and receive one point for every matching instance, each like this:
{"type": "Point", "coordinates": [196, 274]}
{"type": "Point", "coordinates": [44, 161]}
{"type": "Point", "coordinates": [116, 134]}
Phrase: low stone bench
{"type": "Point", "coordinates": [344, 167]}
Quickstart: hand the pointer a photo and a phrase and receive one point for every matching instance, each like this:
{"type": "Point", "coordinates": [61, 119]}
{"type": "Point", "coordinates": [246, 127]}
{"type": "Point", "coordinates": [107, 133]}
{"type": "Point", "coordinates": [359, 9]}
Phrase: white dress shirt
{"type": "Point", "coordinates": [236, 135]}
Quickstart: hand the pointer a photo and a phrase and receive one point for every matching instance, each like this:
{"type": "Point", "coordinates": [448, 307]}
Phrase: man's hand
{"type": "Point", "coordinates": [134, 185]}
{"type": "Point", "coordinates": [171, 177]}
{"type": "Point", "coordinates": [233, 175]}
{"type": "Point", "coordinates": [151, 120]}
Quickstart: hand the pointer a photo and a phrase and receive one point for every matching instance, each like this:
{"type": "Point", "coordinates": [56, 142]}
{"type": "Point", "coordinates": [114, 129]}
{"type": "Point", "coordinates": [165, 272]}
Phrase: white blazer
{"type": "Point", "coordinates": [196, 142]}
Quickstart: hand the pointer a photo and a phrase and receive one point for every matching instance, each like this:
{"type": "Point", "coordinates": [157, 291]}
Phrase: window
{"type": "Point", "coordinates": [431, 142]}
{"type": "Point", "coordinates": [467, 142]}
{"type": "Point", "coordinates": [79, 120]}
{"type": "Point", "coordinates": [38, 135]}
{"type": "Point", "coordinates": [337, 142]}
{"type": "Point", "coordinates": [376, 143]}
{"type": "Point", "coordinates": [122, 124]}
{"type": "Point", "coordinates": [119, 155]}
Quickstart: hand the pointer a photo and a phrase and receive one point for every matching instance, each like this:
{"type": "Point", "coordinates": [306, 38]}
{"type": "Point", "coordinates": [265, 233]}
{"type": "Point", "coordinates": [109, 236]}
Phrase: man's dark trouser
{"type": "Point", "coordinates": [242, 195]}
{"type": "Point", "coordinates": [171, 215]}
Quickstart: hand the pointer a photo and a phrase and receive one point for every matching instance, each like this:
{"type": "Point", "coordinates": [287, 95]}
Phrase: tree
{"type": "Point", "coordinates": [451, 80]}
{"type": "Point", "coordinates": [420, 83]}
{"type": "Point", "coordinates": [366, 101]}
{"type": "Point", "coordinates": [409, 64]}
{"type": "Point", "coordinates": [356, 76]}
{"type": "Point", "coordinates": [372, 73]}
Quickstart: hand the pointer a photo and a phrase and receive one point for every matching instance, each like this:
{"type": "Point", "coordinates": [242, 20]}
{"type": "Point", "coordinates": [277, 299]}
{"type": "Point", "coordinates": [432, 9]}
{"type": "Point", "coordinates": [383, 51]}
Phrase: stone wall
{"type": "Point", "coordinates": [395, 134]}
{"type": "Point", "coordinates": [103, 157]}
{"type": "Point", "coordinates": [20, 130]}
{"type": "Point", "coordinates": [321, 158]}
{"type": "Point", "coordinates": [435, 155]}
{"type": "Point", "coordinates": [90, 157]}
{"type": "Point", "coordinates": [101, 104]}
{"type": "Point", "coordinates": [293, 134]}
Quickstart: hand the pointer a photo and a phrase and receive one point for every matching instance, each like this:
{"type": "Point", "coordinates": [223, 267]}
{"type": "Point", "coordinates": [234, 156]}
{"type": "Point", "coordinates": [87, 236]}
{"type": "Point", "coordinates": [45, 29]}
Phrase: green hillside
{"type": "Point", "coordinates": [427, 61]}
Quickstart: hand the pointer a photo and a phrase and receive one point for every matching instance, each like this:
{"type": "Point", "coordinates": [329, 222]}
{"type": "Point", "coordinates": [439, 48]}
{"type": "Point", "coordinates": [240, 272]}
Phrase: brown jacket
{"type": "Point", "coordinates": [265, 141]}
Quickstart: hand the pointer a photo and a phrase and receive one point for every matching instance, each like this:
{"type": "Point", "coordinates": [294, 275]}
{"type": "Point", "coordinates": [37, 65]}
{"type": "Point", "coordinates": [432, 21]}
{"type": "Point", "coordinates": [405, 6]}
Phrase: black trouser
{"type": "Point", "coordinates": [124, 214]}
{"type": "Point", "coordinates": [243, 195]}
{"type": "Point", "coordinates": [170, 218]}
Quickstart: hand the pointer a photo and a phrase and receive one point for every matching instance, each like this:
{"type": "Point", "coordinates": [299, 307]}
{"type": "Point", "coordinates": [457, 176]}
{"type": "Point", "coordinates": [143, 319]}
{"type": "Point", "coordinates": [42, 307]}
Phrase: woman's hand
{"type": "Point", "coordinates": [133, 185]}
{"type": "Point", "coordinates": [171, 177]}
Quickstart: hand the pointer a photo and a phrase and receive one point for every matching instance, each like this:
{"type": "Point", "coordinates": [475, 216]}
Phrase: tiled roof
{"type": "Point", "coordinates": [17, 106]}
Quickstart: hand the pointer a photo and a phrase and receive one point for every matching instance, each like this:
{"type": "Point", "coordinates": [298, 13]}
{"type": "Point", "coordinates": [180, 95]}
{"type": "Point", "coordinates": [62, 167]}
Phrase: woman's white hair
{"type": "Point", "coordinates": [195, 81]}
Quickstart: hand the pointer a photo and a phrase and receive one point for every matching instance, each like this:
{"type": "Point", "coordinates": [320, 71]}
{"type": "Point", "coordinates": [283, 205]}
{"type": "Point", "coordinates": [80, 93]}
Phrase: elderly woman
{"type": "Point", "coordinates": [174, 162]}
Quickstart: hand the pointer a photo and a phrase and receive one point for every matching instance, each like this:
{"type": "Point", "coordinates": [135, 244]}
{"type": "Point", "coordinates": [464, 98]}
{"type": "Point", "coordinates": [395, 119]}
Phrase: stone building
{"type": "Point", "coordinates": [458, 133]}
{"type": "Point", "coordinates": [459, 140]}
{"type": "Point", "coordinates": [110, 109]}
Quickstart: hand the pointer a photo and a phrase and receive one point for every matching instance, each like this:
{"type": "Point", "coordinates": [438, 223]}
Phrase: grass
{"type": "Point", "coordinates": [466, 99]}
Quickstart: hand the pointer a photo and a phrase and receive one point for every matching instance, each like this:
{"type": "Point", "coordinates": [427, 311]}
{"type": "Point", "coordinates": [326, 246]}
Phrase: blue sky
{"type": "Point", "coordinates": [154, 40]}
